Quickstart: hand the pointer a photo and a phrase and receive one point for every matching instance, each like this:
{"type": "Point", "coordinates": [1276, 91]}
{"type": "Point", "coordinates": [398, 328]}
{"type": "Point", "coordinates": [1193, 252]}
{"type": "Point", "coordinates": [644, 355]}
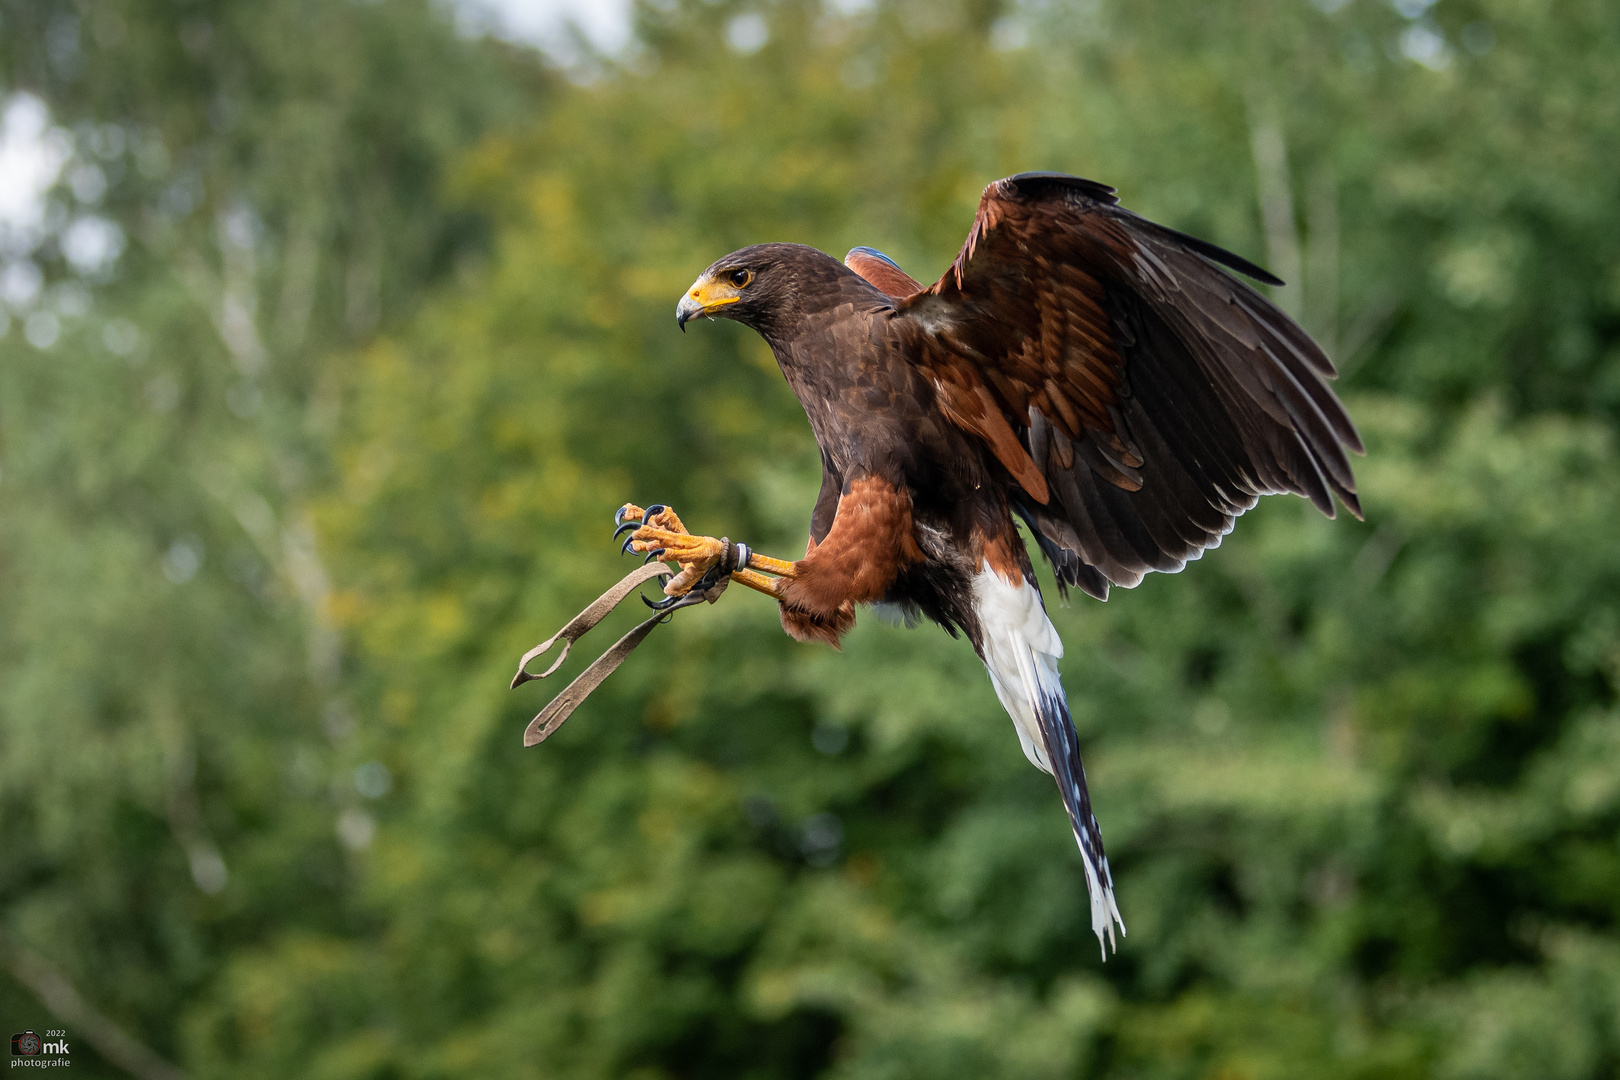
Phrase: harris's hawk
{"type": "Point", "coordinates": [1079, 367]}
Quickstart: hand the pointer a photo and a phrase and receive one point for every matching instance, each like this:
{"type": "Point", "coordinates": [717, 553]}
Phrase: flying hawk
{"type": "Point", "coordinates": [1081, 368]}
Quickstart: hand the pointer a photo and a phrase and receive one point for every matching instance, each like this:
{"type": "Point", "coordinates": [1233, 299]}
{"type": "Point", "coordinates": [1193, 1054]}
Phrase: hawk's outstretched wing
{"type": "Point", "coordinates": [1141, 396]}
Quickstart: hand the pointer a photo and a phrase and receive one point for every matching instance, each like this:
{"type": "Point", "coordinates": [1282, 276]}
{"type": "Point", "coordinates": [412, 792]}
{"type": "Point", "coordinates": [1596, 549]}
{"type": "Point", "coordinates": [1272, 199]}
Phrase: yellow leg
{"type": "Point", "coordinates": [756, 581]}
{"type": "Point", "coordinates": [756, 561]}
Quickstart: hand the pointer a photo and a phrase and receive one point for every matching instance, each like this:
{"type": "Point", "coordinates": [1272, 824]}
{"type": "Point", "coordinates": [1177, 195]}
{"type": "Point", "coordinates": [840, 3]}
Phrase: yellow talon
{"type": "Point", "coordinates": [668, 519]}
{"type": "Point", "coordinates": [682, 583]}
{"type": "Point", "coordinates": [681, 547]}
{"type": "Point", "coordinates": [696, 555]}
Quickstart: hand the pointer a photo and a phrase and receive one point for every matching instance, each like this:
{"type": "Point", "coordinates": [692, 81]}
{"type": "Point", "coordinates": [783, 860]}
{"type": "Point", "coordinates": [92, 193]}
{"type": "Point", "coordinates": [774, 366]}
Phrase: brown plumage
{"type": "Point", "coordinates": [1078, 366]}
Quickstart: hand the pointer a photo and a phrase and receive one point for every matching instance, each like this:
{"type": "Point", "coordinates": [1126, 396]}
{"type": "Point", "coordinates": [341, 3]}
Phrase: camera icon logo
{"type": "Point", "coordinates": [26, 1044]}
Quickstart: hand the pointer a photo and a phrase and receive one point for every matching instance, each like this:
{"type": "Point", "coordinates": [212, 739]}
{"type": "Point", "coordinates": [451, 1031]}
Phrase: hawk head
{"type": "Point", "coordinates": [769, 287]}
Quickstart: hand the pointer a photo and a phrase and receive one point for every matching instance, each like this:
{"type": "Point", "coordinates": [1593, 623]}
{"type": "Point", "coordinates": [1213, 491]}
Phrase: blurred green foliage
{"type": "Point", "coordinates": [341, 433]}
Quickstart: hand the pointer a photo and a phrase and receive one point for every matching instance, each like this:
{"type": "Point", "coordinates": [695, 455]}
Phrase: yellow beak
{"type": "Point", "coordinates": [705, 297]}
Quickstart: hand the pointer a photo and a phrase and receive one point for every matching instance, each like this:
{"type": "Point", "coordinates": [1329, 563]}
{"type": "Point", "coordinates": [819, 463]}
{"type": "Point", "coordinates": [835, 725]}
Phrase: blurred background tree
{"type": "Point", "coordinates": [343, 335]}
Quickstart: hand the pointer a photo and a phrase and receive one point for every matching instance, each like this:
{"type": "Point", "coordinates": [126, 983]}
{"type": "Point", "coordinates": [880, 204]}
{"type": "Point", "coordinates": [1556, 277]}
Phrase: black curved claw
{"type": "Point", "coordinates": [620, 525]}
{"type": "Point", "coordinates": [655, 553]}
{"type": "Point", "coordinates": [646, 516]}
{"type": "Point", "coordinates": [663, 605]}
{"type": "Point", "coordinates": [710, 579]}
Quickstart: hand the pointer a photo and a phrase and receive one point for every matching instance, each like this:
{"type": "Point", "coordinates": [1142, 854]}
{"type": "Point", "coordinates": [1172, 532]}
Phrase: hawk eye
{"type": "Point", "coordinates": [740, 278]}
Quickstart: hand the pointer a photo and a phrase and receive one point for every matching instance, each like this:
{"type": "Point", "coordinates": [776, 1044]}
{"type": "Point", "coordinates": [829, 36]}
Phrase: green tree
{"type": "Point", "coordinates": [247, 187]}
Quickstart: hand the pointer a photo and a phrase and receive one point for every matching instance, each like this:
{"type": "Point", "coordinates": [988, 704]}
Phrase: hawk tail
{"type": "Point", "coordinates": [1020, 648]}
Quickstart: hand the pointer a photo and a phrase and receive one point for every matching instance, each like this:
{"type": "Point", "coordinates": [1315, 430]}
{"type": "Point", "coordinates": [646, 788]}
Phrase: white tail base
{"type": "Point", "coordinates": [1021, 650]}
